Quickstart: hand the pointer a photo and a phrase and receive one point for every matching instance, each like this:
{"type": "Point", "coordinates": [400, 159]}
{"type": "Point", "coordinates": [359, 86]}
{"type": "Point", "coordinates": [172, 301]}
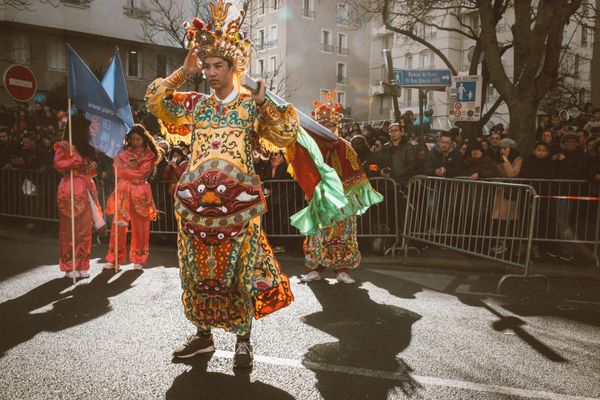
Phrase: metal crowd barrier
{"type": "Point", "coordinates": [568, 213]}
{"type": "Point", "coordinates": [380, 221]}
{"type": "Point", "coordinates": [28, 194]}
{"type": "Point", "coordinates": [31, 194]}
{"type": "Point", "coordinates": [492, 220]}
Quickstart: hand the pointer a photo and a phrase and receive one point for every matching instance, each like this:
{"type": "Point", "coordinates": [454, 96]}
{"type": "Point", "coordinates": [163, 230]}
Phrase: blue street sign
{"type": "Point", "coordinates": [423, 77]}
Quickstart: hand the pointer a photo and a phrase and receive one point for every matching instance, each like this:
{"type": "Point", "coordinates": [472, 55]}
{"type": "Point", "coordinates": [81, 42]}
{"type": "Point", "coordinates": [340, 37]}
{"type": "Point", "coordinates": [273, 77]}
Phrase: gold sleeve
{"type": "Point", "coordinates": [277, 124]}
{"type": "Point", "coordinates": [174, 109]}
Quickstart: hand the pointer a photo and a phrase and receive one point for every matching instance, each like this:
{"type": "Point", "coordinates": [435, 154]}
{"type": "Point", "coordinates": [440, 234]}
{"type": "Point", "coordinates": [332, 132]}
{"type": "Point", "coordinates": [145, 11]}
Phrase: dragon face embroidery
{"type": "Point", "coordinates": [220, 200]}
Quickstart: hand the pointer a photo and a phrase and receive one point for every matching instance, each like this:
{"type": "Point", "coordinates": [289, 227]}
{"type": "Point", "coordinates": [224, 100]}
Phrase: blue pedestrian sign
{"type": "Point", "coordinates": [423, 77]}
{"type": "Point", "coordinates": [464, 98]}
{"type": "Point", "coordinates": [466, 91]}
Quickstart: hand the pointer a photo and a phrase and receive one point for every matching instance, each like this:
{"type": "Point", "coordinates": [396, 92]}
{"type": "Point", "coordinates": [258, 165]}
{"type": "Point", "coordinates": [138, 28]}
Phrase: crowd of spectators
{"type": "Point", "coordinates": [567, 147]}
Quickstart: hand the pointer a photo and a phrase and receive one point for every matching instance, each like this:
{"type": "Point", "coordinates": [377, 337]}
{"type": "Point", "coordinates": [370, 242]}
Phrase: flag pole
{"type": "Point", "coordinates": [74, 256]}
{"type": "Point", "coordinates": [116, 218]}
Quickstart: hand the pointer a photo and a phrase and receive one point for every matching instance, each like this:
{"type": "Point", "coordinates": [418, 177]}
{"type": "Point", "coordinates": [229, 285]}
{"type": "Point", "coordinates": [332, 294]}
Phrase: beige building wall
{"type": "Point", "coordinates": [309, 63]}
{"type": "Point", "coordinates": [38, 39]}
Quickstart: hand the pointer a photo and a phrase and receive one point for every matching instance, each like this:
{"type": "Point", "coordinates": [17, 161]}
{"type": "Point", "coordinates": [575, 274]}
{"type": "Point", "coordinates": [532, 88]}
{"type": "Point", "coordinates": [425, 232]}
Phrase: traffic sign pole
{"type": "Point", "coordinates": [389, 66]}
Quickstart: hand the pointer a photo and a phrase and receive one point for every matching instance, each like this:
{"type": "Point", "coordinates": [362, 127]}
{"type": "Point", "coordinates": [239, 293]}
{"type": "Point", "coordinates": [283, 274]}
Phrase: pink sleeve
{"type": "Point", "coordinates": [142, 171]}
{"type": "Point", "coordinates": [63, 161]}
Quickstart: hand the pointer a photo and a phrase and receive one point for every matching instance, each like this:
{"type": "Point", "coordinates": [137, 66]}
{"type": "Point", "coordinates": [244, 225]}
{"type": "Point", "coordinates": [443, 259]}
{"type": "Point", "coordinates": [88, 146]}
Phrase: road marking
{"type": "Point", "coordinates": [399, 376]}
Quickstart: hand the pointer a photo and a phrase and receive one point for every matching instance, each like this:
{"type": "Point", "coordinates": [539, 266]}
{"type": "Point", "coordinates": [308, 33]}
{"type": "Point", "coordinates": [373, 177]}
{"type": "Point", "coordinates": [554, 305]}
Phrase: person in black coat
{"type": "Point", "coordinates": [398, 156]}
{"type": "Point", "coordinates": [443, 160]}
{"type": "Point", "coordinates": [478, 165]}
{"type": "Point", "coordinates": [539, 164]}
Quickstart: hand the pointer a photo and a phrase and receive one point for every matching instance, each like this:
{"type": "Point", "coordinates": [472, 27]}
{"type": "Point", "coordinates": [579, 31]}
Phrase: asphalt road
{"type": "Point", "coordinates": [400, 332]}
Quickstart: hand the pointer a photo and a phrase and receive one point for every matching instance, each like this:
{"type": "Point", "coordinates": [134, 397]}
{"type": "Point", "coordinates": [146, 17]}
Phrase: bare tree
{"type": "Point", "coordinates": [25, 5]}
{"type": "Point", "coordinates": [162, 23]}
{"type": "Point", "coordinates": [536, 41]}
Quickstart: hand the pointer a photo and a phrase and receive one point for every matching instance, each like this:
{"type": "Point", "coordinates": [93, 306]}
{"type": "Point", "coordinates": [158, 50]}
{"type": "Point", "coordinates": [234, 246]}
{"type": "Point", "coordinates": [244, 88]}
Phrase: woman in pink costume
{"type": "Point", "coordinates": [86, 209]}
{"type": "Point", "coordinates": [134, 198]}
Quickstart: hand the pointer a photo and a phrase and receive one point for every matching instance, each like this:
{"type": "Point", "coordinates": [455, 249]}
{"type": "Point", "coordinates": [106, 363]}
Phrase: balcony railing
{"type": "Point", "coordinates": [272, 44]}
{"type": "Point", "coordinates": [327, 47]}
{"type": "Point", "coordinates": [308, 13]}
{"type": "Point", "coordinates": [135, 12]}
{"type": "Point", "coordinates": [77, 3]}
{"type": "Point", "coordinates": [343, 51]}
{"type": "Point", "coordinates": [341, 79]}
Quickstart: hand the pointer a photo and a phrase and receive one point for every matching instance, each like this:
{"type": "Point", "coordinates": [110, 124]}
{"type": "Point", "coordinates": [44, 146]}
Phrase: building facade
{"type": "Point", "coordinates": [408, 54]}
{"type": "Point", "coordinates": [304, 48]}
{"type": "Point", "coordinates": [38, 37]}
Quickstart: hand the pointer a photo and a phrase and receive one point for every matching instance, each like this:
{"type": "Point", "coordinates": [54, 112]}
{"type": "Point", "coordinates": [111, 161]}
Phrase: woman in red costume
{"type": "Point", "coordinates": [87, 212]}
{"type": "Point", "coordinates": [134, 198]}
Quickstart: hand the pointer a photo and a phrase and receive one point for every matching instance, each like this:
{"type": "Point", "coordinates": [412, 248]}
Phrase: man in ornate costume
{"type": "Point", "coordinates": [335, 247]}
{"type": "Point", "coordinates": [228, 271]}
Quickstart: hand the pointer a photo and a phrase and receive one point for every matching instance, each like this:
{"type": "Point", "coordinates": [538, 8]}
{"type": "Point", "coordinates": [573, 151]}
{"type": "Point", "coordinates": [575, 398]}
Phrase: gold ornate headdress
{"type": "Point", "coordinates": [329, 111]}
{"type": "Point", "coordinates": [225, 41]}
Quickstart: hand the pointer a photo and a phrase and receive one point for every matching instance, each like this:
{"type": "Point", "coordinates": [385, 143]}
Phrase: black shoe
{"type": "Point", "coordinates": [195, 344]}
{"type": "Point", "coordinates": [244, 355]}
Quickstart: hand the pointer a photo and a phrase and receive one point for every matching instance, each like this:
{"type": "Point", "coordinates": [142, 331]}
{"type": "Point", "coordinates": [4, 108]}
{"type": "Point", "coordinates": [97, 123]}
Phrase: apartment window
{"type": "Point", "coordinates": [308, 8]}
{"type": "Point", "coordinates": [576, 72]}
{"type": "Point", "coordinates": [341, 75]}
{"type": "Point", "coordinates": [584, 36]}
{"type": "Point", "coordinates": [472, 20]}
{"type": "Point", "coordinates": [21, 48]}
{"type": "Point", "coordinates": [324, 94]}
{"type": "Point", "coordinates": [275, 4]}
{"type": "Point", "coordinates": [161, 65]}
{"type": "Point", "coordinates": [260, 66]}
{"type": "Point", "coordinates": [272, 64]}
{"type": "Point", "coordinates": [57, 54]}
{"type": "Point", "coordinates": [273, 36]}
{"type": "Point", "coordinates": [341, 98]}
{"type": "Point", "coordinates": [260, 40]}
{"type": "Point", "coordinates": [342, 43]}
{"type": "Point", "coordinates": [429, 31]}
{"type": "Point", "coordinates": [134, 64]}
{"type": "Point", "coordinates": [342, 13]}
{"type": "Point", "coordinates": [261, 7]}
{"type": "Point", "coordinates": [385, 41]}
{"type": "Point", "coordinates": [408, 96]}
{"type": "Point", "coordinates": [383, 105]}
{"type": "Point", "coordinates": [427, 59]}
{"type": "Point", "coordinates": [409, 61]}
{"type": "Point", "coordinates": [326, 41]}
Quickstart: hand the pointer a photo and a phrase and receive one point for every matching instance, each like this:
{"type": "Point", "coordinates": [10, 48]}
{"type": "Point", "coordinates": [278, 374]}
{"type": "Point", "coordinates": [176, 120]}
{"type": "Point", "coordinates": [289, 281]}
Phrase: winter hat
{"type": "Point", "coordinates": [475, 146]}
{"type": "Point", "coordinates": [507, 142]}
{"type": "Point", "coordinates": [568, 135]}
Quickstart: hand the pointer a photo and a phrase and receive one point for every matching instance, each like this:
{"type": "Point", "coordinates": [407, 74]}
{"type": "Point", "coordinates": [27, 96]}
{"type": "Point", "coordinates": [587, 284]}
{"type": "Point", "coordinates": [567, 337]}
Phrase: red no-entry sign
{"type": "Point", "coordinates": [19, 82]}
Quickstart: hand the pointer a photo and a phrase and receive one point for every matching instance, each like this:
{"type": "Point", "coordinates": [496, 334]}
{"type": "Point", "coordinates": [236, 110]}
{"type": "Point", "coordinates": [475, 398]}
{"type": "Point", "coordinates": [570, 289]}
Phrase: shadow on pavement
{"type": "Point", "coordinates": [515, 303]}
{"type": "Point", "coordinates": [369, 334]}
{"type": "Point", "coordinates": [83, 303]}
{"type": "Point", "coordinates": [197, 383]}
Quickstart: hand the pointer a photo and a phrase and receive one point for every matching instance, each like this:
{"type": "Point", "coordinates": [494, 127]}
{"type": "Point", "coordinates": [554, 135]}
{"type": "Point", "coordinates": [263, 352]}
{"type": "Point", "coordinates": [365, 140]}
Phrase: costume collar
{"type": "Point", "coordinates": [231, 97]}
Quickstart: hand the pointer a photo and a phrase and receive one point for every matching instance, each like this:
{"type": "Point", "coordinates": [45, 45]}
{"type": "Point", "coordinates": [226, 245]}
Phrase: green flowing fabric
{"type": "Point", "coordinates": [328, 198]}
{"type": "Point", "coordinates": [360, 197]}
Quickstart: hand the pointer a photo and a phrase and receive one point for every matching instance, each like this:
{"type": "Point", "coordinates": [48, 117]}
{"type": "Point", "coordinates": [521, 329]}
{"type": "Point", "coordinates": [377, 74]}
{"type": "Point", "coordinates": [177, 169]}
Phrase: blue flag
{"type": "Point", "coordinates": [106, 104]}
{"type": "Point", "coordinates": [86, 91]}
{"type": "Point", "coordinates": [114, 84]}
